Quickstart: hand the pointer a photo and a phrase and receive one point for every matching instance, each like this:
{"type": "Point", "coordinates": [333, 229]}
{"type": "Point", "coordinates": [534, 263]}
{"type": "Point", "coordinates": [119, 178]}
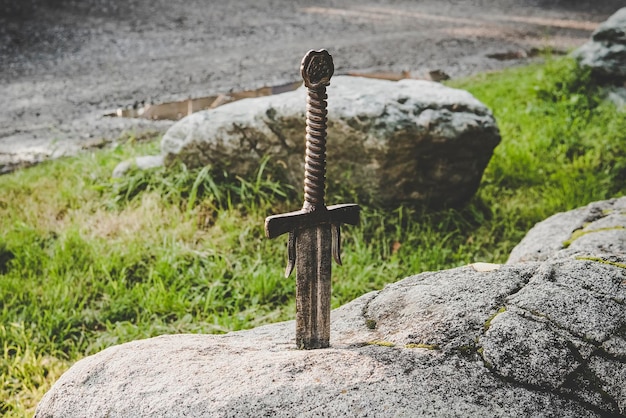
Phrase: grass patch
{"type": "Point", "coordinates": [87, 262]}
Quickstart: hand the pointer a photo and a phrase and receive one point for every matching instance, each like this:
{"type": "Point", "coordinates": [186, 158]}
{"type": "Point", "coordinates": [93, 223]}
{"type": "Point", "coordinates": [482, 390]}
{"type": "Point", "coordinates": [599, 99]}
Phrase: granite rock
{"type": "Point", "coordinates": [141, 163]}
{"type": "Point", "coordinates": [597, 227]}
{"type": "Point", "coordinates": [605, 53]}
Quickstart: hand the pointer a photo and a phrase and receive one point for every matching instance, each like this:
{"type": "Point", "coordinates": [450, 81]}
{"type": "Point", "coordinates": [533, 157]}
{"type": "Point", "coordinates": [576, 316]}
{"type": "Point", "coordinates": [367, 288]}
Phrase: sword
{"type": "Point", "coordinates": [314, 230]}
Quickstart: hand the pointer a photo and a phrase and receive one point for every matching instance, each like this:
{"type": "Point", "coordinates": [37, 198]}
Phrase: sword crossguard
{"type": "Point", "coordinates": [292, 222]}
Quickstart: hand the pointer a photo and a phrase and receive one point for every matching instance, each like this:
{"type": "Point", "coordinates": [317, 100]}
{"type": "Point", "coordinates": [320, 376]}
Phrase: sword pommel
{"type": "Point", "coordinates": [317, 68]}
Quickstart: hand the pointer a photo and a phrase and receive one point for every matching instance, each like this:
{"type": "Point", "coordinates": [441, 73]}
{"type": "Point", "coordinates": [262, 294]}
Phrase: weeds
{"type": "Point", "coordinates": [87, 262]}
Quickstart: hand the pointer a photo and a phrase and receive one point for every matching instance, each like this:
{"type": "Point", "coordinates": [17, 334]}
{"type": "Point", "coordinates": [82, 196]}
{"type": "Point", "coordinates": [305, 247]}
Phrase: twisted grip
{"type": "Point", "coordinates": [317, 68]}
{"type": "Point", "coordinates": [315, 160]}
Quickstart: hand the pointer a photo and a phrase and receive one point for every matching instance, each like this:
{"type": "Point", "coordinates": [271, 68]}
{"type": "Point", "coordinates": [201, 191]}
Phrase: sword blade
{"type": "Point", "coordinates": [313, 287]}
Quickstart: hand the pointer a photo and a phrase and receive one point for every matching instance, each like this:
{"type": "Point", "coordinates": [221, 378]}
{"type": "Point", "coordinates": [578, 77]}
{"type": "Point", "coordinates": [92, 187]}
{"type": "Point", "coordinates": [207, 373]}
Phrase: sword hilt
{"type": "Point", "coordinates": [316, 68]}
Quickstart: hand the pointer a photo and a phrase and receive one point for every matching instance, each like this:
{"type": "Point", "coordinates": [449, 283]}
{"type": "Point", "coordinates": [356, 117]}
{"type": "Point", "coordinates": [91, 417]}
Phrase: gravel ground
{"type": "Point", "coordinates": [66, 63]}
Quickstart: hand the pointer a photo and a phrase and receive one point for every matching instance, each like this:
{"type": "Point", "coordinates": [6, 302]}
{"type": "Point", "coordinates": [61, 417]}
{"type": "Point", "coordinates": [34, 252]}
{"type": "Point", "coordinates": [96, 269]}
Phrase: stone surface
{"type": "Point", "coordinates": [617, 96]}
{"type": "Point", "coordinates": [605, 53]}
{"type": "Point", "coordinates": [410, 141]}
{"type": "Point", "coordinates": [141, 163]}
{"type": "Point", "coordinates": [599, 226]}
{"type": "Point", "coordinates": [545, 337]}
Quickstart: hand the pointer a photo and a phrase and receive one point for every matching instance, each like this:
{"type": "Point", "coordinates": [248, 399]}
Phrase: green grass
{"type": "Point", "coordinates": [87, 262]}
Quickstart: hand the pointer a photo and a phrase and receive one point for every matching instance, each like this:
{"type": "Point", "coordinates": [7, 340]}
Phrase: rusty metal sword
{"type": "Point", "coordinates": [314, 230]}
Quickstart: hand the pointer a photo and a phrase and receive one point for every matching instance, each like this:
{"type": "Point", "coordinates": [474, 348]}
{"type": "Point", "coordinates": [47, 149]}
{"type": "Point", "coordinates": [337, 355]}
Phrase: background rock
{"type": "Point", "coordinates": [540, 338]}
{"type": "Point", "coordinates": [141, 163]}
{"type": "Point", "coordinates": [599, 226]}
{"type": "Point", "coordinates": [410, 141]}
{"type": "Point", "coordinates": [617, 96]}
{"type": "Point", "coordinates": [606, 52]}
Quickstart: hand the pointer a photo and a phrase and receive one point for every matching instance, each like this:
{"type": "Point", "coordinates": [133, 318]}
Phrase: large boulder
{"type": "Point", "coordinates": [605, 53]}
{"type": "Point", "coordinates": [536, 338]}
{"type": "Point", "coordinates": [411, 141]}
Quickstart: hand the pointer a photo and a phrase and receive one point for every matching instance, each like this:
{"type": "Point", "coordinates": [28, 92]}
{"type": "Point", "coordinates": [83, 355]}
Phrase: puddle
{"type": "Point", "coordinates": [432, 75]}
{"type": "Point", "coordinates": [522, 54]}
{"type": "Point", "coordinates": [180, 109]}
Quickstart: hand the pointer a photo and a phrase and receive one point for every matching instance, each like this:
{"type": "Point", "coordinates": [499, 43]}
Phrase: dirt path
{"type": "Point", "coordinates": [65, 63]}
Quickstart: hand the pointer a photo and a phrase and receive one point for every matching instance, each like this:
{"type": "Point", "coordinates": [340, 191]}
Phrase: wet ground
{"type": "Point", "coordinates": [66, 63]}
